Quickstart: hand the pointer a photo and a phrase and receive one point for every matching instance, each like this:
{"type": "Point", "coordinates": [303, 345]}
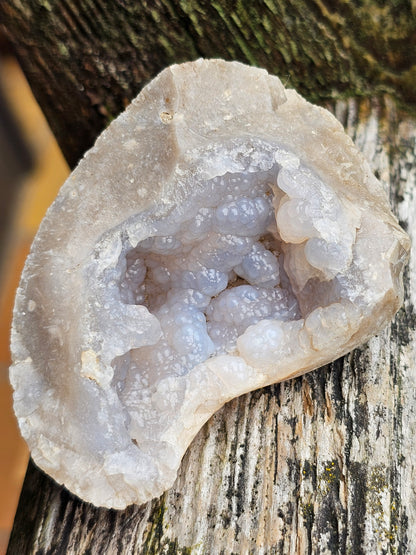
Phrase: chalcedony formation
{"type": "Point", "coordinates": [222, 234]}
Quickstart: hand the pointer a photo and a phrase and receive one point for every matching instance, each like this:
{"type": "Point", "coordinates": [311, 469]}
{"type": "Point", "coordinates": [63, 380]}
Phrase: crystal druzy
{"type": "Point", "coordinates": [222, 234]}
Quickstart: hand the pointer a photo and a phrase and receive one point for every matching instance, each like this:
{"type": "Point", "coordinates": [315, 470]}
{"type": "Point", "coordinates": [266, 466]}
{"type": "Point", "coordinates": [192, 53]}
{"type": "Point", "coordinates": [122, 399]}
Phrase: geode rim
{"type": "Point", "coordinates": [75, 336]}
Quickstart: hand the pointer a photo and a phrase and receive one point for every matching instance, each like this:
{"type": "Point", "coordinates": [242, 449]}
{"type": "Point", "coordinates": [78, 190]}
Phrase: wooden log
{"type": "Point", "coordinates": [320, 464]}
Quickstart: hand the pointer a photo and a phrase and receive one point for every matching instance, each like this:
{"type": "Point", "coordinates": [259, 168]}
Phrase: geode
{"type": "Point", "coordinates": [223, 234]}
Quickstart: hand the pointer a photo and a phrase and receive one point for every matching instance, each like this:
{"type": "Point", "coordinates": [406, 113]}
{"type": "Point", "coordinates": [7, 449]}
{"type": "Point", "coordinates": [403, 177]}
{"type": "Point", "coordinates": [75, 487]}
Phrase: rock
{"type": "Point", "coordinates": [223, 234]}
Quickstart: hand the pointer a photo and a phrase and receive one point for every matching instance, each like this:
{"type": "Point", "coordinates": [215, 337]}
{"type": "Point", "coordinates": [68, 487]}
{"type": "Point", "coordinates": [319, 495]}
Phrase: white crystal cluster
{"type": "Point", "coordinates": [223, 234]}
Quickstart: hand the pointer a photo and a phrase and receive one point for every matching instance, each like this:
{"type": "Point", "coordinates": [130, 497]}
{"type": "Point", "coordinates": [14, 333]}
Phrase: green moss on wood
{"type": "Point", "coordinates": [80, 57]}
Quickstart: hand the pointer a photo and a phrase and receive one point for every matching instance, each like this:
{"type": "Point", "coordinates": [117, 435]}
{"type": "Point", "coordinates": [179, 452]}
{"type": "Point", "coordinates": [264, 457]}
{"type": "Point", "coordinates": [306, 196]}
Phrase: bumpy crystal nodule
{"type": "Point", "coordinates": [189, 259]}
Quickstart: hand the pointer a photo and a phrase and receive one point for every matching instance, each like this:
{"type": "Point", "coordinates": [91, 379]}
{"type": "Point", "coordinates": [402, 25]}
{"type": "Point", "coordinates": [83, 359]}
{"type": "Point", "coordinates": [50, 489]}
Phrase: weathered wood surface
{"type": "Point", "coordinates": [320, 464]}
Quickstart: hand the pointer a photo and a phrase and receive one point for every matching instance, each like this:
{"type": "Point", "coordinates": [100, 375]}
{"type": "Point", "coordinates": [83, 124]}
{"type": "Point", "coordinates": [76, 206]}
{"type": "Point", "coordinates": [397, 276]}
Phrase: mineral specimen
{"type": "Point", "coordinates": [222, 234]}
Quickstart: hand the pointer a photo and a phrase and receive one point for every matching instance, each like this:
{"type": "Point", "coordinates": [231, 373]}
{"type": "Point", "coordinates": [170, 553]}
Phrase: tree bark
{"type": "Point", "coordinates": [319, 464]}
{"type": "Point", "coordinates": [86, 59]}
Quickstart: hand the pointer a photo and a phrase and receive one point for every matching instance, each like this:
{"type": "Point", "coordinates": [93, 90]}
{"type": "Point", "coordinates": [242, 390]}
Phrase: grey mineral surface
{"type": "Point", "coordinates": [222, 234]}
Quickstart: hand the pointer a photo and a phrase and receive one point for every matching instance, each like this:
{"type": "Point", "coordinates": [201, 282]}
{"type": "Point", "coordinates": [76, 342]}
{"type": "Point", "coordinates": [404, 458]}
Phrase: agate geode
{"type": "Point", "coordinates": [222, 234]}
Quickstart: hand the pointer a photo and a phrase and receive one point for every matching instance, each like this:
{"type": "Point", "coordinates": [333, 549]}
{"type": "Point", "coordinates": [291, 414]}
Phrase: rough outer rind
{"type": "Point", "coordinates": [172, 136]}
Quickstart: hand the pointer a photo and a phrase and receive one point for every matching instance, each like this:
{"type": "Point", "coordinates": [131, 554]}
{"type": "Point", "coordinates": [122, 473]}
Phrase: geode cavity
{"type": "Point", "coordinates": [222, 234]}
